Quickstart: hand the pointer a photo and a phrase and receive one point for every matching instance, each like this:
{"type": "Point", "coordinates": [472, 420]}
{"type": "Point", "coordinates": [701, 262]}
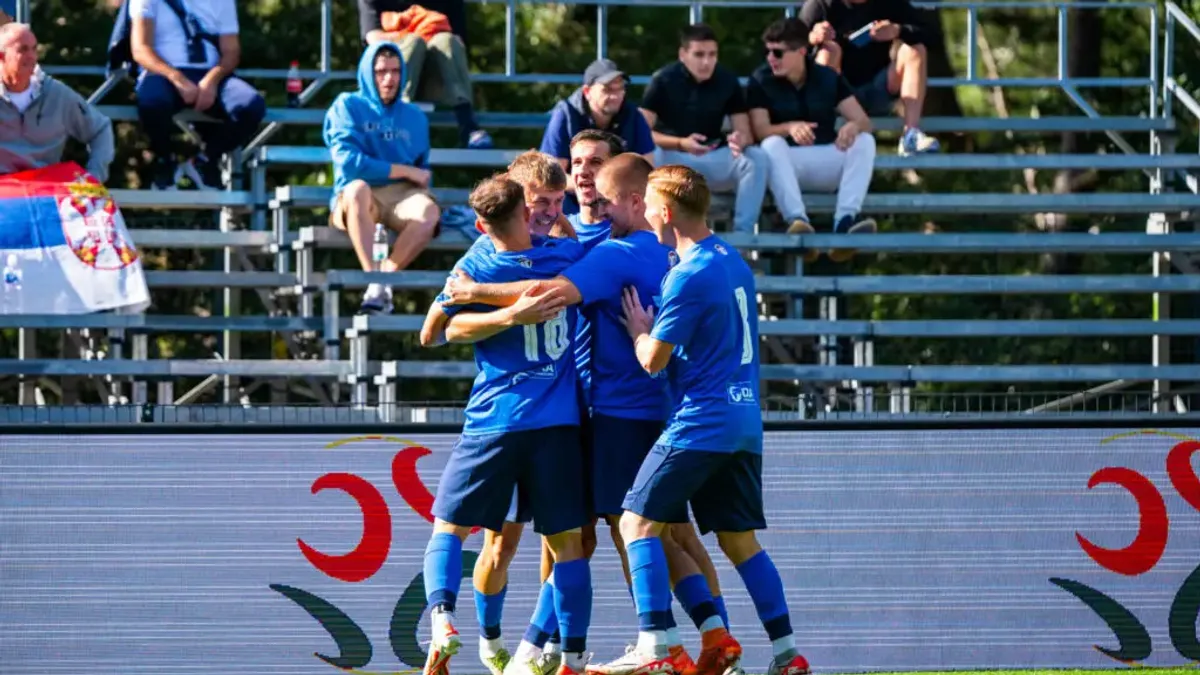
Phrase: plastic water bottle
{"type": "Point", "coordinates": [379, 249]}
{"type": "Point", "coordinates": [294, 85]}
{"type": "Point", "coordinates": [12, 284]}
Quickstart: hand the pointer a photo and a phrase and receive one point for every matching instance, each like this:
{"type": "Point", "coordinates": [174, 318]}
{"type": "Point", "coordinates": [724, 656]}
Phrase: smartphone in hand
{"type": "Point", "coordinates": [861, 37]}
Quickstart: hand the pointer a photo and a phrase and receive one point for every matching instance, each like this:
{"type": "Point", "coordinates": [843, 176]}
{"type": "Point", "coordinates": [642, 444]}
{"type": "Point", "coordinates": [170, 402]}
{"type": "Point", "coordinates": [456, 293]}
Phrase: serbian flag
{"type": "Point", "coordinates": [64, 246]}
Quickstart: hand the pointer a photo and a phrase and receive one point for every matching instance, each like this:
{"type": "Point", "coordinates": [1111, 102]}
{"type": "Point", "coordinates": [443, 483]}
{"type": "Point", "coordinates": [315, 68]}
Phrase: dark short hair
{"type": "Point", "coordinates": [697, 32]}
{"type": "Point", "coordinates": [498, 202]}
{"type": "Point", "coordinates": [615, 145]}
{"type": "Point", "coordinates": [791, 31]}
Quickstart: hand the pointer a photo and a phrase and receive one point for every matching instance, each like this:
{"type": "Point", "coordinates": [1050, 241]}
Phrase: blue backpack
{"type": "Point", "coordinates": [120, 51]}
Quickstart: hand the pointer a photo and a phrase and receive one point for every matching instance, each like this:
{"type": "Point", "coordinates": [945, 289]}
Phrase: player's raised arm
{"type": "Point", "coordinates": [463, 290]}
{"type": "Point", "coordinates": [535, 305]}
{"type": "Point", "coordinates": [653, 354]}
{"type": "Point", "coordinates": [433, 331]}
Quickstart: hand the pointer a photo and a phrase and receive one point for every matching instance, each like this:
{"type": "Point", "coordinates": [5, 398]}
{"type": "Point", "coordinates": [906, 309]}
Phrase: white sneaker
{"type": "Point", "coordinates": [634, 662]}
{"type": "Point", "coordinates": [548, 662]}
{"type": "Point", "coordinates": [497, 663]}
{"type": "Point", "coordinates": [444, 644]}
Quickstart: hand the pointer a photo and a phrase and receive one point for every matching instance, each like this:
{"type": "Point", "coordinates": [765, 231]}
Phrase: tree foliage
{"type": "Point", "coordinates": [554, 38]}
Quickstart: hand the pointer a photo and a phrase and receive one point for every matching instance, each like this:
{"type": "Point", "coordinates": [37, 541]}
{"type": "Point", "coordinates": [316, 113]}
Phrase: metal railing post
{"type": "Point", "coordinates": [601, 31]}
{"type": "Point", "coordinates": [1063, 66]}
{"type": "Point", "coordinates": [510, 38]}
{"type": "Point", "coordinates": [1155, 83]}
{"type": "Point", "coordinates": [696, 13]}
{"type": "Point", "coordinates": [972, 43]}
{"type": "Point", "coordinates": [1168, 75]}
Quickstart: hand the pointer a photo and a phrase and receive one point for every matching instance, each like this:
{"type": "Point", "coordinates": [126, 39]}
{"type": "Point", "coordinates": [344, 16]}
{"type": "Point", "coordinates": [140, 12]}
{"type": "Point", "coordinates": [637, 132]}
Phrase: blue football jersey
{"type": "Point", "coordinates": [526, 374]}
{"type": "Point", "coordinates": [590, 235]}
{"type": "Point", "coordinates": [708, 313]}
{"type": "Point", "coordinates": [619, 385]}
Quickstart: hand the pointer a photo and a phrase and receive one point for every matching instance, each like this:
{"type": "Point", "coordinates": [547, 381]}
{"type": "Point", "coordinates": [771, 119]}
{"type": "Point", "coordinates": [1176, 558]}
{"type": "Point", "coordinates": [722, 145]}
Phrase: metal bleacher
{"type": "Point", "coordinates": [343, 354]}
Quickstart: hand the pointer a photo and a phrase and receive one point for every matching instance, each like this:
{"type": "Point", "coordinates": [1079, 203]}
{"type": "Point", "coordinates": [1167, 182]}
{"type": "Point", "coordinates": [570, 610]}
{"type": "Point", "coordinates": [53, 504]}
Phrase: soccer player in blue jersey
{"type": "Point", "coordinates": [705, 334]}
{"type": "Point", "coordinates": [544, 183]}
{"type": "Point", "coordinates": [590, 149]}
{"type": "Point", "coordinates": [628, 407]}
{"type": "Point", "coordinates": [521, 429]}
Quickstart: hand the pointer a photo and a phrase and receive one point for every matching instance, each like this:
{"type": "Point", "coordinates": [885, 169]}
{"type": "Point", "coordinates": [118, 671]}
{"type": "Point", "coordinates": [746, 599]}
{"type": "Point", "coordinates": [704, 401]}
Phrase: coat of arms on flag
{"type": "Point", "coordinates": [65, 246]}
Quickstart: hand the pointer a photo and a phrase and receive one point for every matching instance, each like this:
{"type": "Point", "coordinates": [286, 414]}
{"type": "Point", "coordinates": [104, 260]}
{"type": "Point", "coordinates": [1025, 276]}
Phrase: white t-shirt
{"type": "Point", "coordinates": [21, 99]}
{"type": "Point", "coordinates": [218, 17]}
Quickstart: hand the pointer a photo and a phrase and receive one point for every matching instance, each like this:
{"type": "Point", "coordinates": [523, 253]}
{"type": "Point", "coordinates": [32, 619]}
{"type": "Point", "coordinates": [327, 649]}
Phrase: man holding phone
{"type": "Point", "coordinates": [686, 104]}
{"type": "Point", "coordinates": [879, 47]}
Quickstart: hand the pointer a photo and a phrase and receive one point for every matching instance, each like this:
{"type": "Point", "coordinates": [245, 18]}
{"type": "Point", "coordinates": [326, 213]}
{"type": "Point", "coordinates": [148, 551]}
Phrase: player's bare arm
{"type": "Point", "coordinates": [463, 290]}
{"type": "Point", "coordinates": [532, 307]}
{"type": "Point", "coordinates": [433, 331]}
{"type": "Point", "coordinates": [652, 354]}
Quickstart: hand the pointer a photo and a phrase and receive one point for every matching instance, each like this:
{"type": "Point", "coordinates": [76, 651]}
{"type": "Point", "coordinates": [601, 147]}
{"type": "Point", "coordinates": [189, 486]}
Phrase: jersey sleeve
{"type": "Point", "coordinates": [600, 274]}
{"type": "Point", "coordinates": [681, 310]}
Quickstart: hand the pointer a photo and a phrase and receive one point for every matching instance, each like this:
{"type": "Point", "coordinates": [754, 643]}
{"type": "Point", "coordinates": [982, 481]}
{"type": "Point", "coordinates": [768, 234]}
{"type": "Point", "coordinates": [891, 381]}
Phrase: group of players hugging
{"type": "Point", "coordinates": [618, 379]}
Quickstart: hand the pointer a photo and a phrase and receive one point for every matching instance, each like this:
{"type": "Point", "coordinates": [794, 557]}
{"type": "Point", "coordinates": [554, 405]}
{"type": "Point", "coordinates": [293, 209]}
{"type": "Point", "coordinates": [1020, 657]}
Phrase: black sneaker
{"type": "Point", "coordinates": [164, 174]}
{"type": "Point", "coordinates": [854, 224]}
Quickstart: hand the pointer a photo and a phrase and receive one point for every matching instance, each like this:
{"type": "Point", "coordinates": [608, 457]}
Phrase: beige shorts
{"type": "Point", "coordinates": [387, 201]}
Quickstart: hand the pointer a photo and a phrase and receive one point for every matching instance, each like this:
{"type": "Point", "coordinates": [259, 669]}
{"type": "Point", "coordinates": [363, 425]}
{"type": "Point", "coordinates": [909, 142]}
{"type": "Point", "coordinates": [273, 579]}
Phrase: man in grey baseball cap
{"type": "Point", "coordinates": [599, 104]}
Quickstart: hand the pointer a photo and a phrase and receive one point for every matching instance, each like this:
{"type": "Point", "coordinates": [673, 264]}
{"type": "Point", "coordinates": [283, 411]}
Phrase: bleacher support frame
{"type": "Point", "coordinates": [358, 371]}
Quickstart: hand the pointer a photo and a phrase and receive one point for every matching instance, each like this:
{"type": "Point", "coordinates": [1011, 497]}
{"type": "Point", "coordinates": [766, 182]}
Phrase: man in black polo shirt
{"type": "Point", "coordinates": [879, 47]}
{"type": "Point", "coordinates": [794, 105]}
{"type": "Point", "coordinates": [686, 105]}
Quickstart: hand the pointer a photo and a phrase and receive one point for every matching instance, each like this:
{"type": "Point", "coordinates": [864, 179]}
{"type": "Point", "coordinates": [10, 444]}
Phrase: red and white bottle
{"type": "Point", "coordinates": [294, 85]}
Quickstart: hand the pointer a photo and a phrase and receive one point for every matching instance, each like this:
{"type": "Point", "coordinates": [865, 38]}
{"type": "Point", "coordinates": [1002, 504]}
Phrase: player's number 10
{"type": "Point", "coordinates": [557, 339]}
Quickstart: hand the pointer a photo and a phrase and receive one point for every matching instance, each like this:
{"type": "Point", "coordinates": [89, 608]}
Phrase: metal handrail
{"type": "Point", "coordinates": [1171, 89]}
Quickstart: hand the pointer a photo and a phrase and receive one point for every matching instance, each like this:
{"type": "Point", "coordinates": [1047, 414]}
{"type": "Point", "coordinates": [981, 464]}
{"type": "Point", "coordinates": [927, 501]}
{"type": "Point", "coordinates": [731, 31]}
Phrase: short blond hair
{"type": "Point", "coordinates": [627, 172]}
{"type": "Point", "coordinates": [684, 189]}
{"type": "Point", "coordinates": [537, 170]}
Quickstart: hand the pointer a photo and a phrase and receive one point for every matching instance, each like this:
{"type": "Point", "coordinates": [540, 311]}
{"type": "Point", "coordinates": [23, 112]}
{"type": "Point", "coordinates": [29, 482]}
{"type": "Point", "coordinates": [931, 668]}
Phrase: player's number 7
{"type": "Point", "coordinates": [744, 307]}
{"type": "Point", "coordinates": [557, 340]}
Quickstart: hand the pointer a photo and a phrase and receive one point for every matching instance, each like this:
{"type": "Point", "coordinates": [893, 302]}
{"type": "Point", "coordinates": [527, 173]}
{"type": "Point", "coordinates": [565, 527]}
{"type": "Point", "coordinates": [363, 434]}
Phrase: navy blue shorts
{"type": "Point", "coordinates": [619, 445]}
{"type": "Point", "coordinates": [874, 97]}
{"type": "Point", "coordinates": [478, 482]}
{"type": "Point", "coordinates": [724, 489]}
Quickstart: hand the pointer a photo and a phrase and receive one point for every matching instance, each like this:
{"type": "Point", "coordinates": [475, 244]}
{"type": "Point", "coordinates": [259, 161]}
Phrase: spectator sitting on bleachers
{"type": "Point", "coordinates": [56, 112]}
{"type": "Point", "coordinates": [686, 104]}
{"type": "Point", "coordinates": [380, 150]}
{"type": "Point", "coordinates": [794, 104]}
{"type": "Point", "coordinates": [190, 64]}
{"type": "Point", "coordinates": [599, 104]}
{"type": "Point", "coordinates": [436, 66]}
{"type": "Point", "coordinates": [878, 46]}
{"type": "Point", "coordinates": [544, 182]}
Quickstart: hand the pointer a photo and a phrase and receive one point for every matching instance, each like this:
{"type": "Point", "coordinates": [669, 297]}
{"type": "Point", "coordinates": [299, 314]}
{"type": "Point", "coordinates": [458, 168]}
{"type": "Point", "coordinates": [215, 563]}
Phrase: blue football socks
{"type": "Point", "coordinates": [443, 570]}
{"type": "Point", "coordinates": [651, 583]}
{"type": "Point", "coordinates": [489, 610]}
{"type": "Point", "coordinates": [544, 621]}
{"type": "Point", "coordinates": [766, 590]}
{"type": "Point", "coordinates": [573, 602]}
{"type": "Point", "coordinates": [693, 595]}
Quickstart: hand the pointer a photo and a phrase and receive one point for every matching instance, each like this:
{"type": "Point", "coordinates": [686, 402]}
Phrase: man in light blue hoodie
{"type": "Point", "coordinates": [380, 148]}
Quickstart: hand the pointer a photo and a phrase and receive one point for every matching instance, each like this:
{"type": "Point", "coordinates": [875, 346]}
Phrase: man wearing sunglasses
{"type": "Point", "coordinates": [794, 105]}
{"type": "Point", "coordinates": [878, 46]}
{"type": "Point", "coordinates": [686, 105]}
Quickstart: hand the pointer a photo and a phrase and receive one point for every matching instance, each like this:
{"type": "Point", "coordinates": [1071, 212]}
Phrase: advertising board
{"type": "Point", "coordinates": [252, 552]}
